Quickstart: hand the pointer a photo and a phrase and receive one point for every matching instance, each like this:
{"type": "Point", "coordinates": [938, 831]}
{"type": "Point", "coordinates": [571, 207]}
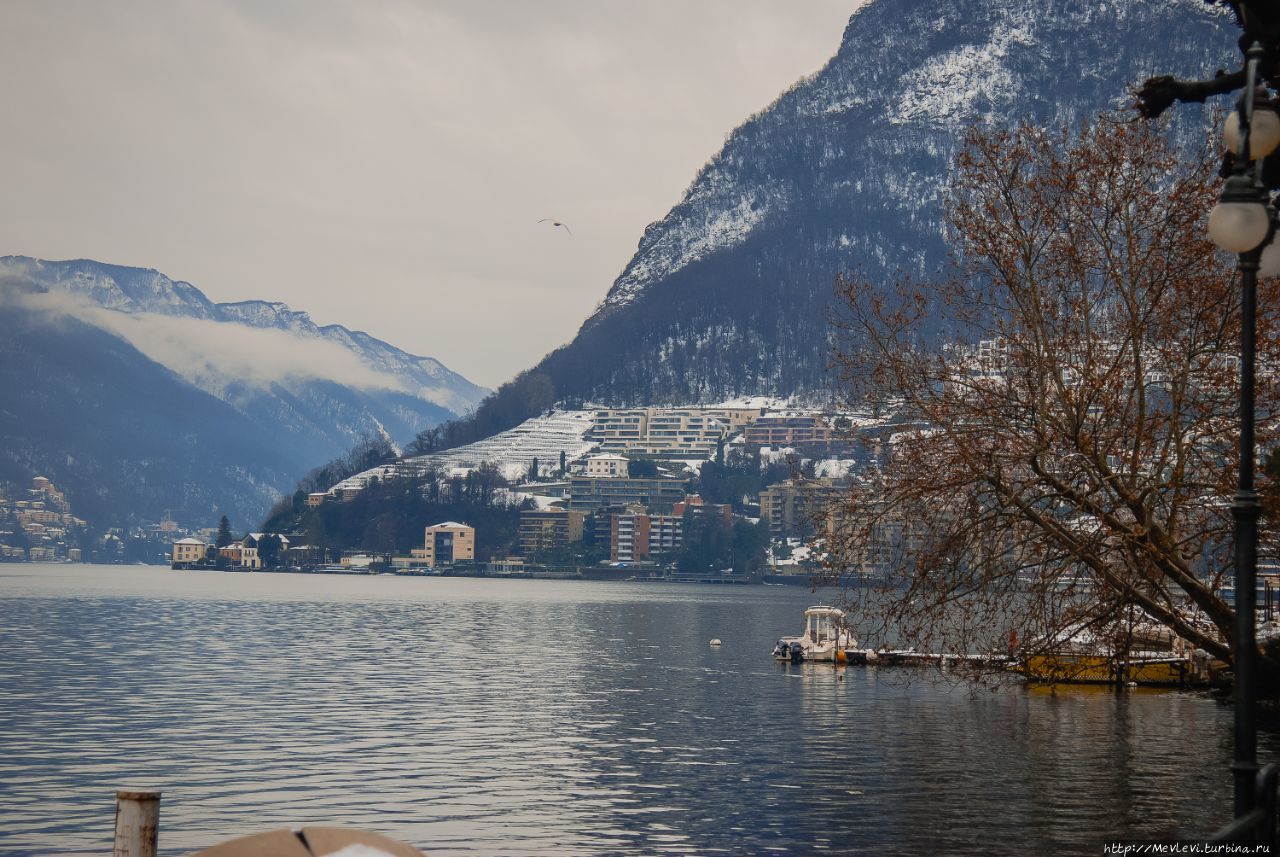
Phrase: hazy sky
{"type": "Point", "coordinates": [383, 163]}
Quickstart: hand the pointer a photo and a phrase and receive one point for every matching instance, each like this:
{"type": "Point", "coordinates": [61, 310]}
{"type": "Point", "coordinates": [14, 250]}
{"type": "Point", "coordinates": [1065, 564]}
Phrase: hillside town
{"type": "Point", "coordinates": [39, 526]}
{"type": "Point", "coordinates": [722, 494]}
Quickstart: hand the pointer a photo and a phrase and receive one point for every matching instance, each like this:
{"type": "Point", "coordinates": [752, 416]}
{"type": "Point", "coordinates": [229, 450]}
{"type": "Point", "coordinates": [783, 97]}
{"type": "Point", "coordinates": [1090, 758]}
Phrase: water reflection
{"type": "Point", "coordinates": [539, 718]}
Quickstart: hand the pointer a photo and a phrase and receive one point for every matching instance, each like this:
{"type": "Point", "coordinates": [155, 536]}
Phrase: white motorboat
{"type": "Point", "coordinates": [824, 636]}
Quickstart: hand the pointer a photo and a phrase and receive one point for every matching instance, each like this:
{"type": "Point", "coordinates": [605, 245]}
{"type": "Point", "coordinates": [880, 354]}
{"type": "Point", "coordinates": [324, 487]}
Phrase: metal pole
{"type": "Point", "coordinates": [1244, 507]}
{"type": "Point", "coordinates": [137, 824]}
{"type": "Point", "coordinates": [1245, 510]}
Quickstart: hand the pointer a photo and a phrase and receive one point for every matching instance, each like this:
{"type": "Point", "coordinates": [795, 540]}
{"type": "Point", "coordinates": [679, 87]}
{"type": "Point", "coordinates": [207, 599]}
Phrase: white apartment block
{"type": "Point", "coordinates": [672, 432]}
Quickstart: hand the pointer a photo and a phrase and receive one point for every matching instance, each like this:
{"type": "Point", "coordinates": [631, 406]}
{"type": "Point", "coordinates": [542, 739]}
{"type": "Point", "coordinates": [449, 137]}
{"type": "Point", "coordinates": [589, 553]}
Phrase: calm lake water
{"type": "Point", "coordinates": [506, 718]}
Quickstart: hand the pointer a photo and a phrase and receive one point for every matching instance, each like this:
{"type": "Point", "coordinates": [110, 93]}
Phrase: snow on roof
{"type": "Point", "coordinates": [453, 525]}
{"type": "Point", "coordinates": [257, 537]}
{"type": "Point", "coordinates": [750, 402]}
{"type": "Point", "coordinates": [834, 468]}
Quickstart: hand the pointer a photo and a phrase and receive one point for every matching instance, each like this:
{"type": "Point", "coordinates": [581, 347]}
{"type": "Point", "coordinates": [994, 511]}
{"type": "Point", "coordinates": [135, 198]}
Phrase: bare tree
{"type": "Point", "coordinates": [1066, 454]}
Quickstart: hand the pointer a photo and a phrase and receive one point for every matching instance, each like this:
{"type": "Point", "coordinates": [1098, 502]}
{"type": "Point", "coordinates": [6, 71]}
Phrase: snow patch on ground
{"type": "Point", "coordinates": [834, 468]}
{"type": "Point", "coordinates": [712, 220]}
{"type": "Point", "coordinates": [800, 554]}
{"type": "Point", "coordinates": [952, 86]}
{"type": "Point", "coordinates": [512, 451]}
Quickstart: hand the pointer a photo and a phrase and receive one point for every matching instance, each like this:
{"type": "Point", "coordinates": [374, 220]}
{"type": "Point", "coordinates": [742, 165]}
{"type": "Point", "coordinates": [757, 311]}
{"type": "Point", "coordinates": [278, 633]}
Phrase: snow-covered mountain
{"type": "Point", "coordinates": [294, 393]}
{"type": "Point", "coordinates": [145, 291]}
{"type": "Point", "coordinates": [729, 293]}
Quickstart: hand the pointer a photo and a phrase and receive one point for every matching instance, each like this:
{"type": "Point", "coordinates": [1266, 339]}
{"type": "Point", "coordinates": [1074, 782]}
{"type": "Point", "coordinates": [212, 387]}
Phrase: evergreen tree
{"type": "Point", "coordinates": [18, 538]}
{"type": "Point", "coordinates": [564, 464]}
{"type": "Point", "coordinates": [224, 533]}
{"type": "Point", "coordinates": [640, 468]}
{"type": "Point", "coordinates": [533, 470]}
{"type": "Point", "coordinates": [269, 550]}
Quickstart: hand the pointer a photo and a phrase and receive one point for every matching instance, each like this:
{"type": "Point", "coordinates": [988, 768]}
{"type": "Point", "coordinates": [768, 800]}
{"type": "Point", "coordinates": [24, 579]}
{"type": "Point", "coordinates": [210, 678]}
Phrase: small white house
{"type": "Point", "coordinates": [610, 466]}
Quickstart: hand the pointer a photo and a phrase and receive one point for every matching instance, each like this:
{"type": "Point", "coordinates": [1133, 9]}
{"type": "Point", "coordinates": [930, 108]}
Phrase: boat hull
{"type": "Point", "coordinates": [824, 652]}
{"type": "Point", "coordinates": [1097, 669]}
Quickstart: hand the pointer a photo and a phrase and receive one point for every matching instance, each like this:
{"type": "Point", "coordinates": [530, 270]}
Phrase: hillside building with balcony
{"type": "Point", "coordinates": [548, 529]}
{"type": "Point", "coordinates": [797, 508]}
{"type": "Point", "coordinates": [783, 430]}
{"type": "Point", "coordinates": [589, 493]}
{"type": "Point", "coordinates": [668, 432]}
{"type": "Point", "coordinates": [637, 536]}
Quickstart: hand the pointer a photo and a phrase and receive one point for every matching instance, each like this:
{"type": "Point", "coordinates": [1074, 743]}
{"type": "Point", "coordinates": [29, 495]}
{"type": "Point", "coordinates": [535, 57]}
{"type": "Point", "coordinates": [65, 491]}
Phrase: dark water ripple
{"type": "Point", "coordinates": [475, 717]}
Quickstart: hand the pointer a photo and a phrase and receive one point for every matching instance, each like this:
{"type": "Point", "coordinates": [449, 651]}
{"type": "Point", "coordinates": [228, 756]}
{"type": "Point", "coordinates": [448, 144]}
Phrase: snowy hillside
{"type": "Point", "coordinates": [543, 438]}
{"type": "Point", "coordinates": [729, 294]}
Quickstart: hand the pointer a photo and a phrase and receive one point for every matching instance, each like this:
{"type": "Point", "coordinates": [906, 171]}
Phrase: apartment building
{"type": "Point", "coordinates": [589, 493]}
{"type": "Point", "coordinates": [638, 536]}
{"type": "Point", "coordinates": [186, 551]}
{"type": "Point", "coordinates": [447, 543]}
{"type": "Point", "coordinates": [778, 430]}
{"type": "Point", "coordinates": [796, 508]}
{"type": "Point", "coordinates": [695, 505]}
{"type": "Point", "coordinates": [668, 432]}
{"type": "Point", "coordinates": [547, 529]}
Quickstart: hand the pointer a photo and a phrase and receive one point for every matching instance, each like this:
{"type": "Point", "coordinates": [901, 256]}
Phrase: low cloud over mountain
{"type": "Point", "coordinates": [290, 393]}
{"type": "Point", "coordinates": [213, 354]}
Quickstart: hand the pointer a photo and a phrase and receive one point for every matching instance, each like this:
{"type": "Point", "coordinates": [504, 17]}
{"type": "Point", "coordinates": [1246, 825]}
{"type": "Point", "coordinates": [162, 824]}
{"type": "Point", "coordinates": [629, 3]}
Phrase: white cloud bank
{"type": "Point", "coordinates": [214, 355]}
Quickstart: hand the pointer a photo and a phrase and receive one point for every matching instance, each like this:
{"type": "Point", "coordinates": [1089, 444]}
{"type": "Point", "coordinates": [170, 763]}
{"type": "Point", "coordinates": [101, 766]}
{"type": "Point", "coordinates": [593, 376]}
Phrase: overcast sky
{"type": "Point", "coordinates": [383, 163]}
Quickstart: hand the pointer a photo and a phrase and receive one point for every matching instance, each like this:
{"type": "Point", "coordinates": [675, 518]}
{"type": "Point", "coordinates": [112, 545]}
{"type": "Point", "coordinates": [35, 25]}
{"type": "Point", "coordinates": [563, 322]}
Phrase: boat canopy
{"type": "Point", "coordinates": [822, 622]}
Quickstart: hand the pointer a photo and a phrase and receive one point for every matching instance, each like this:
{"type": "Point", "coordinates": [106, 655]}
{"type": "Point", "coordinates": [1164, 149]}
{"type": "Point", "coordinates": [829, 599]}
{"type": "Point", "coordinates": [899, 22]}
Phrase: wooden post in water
{"type": "Point", "coordinates": [137, 824]}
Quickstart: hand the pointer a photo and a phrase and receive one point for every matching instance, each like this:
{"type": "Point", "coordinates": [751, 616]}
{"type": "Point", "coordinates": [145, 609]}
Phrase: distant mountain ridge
{"type": "Point", "coordinates": [729, 294]}
{"type": "Point", "coordinates": [250, 395]}
{"type": "Point", "coordinates": [146, 290]}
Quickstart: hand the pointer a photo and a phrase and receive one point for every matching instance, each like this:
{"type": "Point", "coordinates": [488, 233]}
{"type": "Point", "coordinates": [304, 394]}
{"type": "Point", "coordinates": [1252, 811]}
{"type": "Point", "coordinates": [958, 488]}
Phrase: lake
{"type": "Point", "coordinates": [491, 717]}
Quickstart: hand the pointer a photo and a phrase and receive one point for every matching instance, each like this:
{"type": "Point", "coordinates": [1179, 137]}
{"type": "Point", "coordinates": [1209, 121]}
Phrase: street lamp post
{"type": "Point", "coordinates": [1243, 223]}
{"type": "Point", "coordinates": [1244, 508]}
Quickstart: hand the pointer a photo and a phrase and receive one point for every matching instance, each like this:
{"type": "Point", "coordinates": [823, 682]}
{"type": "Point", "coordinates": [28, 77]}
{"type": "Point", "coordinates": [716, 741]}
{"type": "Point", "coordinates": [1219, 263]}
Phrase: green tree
{"type": "Point", "coordinates": [712, 544]}
{"type": "Point", "coordinates": [269, 547]}
{"type": "Point", "coordinates": [224, 533]}
{"type": "Point", "coordinates": [739, 477]}
{"type": "Point", "coordinates": [18, 538]}
{"type": "Point", "coordinates": [749, 542]}
{"type": "Point", "coordinates": [640, 468]}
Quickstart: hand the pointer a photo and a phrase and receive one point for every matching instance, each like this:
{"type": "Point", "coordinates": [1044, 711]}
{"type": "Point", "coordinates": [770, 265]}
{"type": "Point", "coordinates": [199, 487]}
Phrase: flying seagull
{"type": "Point", "coordinates": [557, 223]}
